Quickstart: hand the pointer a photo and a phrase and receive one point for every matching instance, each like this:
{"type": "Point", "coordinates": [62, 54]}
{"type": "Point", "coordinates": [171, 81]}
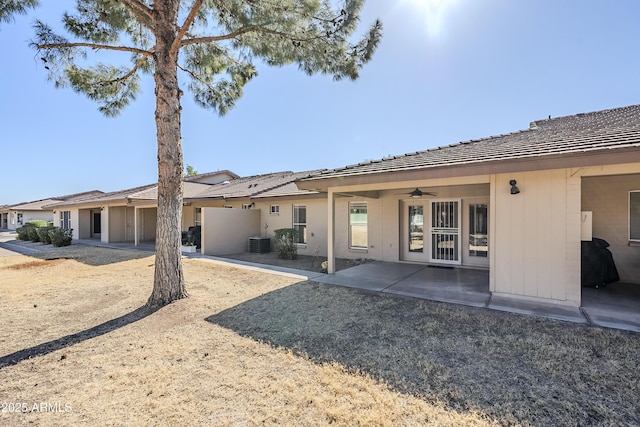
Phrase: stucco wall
{"type": "Point", "coordinates": [607, 197]}
{"type": "Point", "coordinates": [81, 223]}
{"type": "Point", "coordinates": [227, 231]}
{"type": "Point", "coordinates": [149, 217]}
{"type": "Point", "coordinates": [536, 236]}
{"type": "Point", "coordinates": [375, 228]}
{"type": "Point", "coordinates": [35, 215]}
{"type": "Point", "coordinates": [120, 227]}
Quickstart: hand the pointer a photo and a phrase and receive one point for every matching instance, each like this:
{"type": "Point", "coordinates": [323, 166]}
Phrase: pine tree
{"type": "Point", "coordinates": [191, 171]}
{"type": "Point", "coordinates": [211, 43]}
{"type": "Point", "coordinates": [8, 8]}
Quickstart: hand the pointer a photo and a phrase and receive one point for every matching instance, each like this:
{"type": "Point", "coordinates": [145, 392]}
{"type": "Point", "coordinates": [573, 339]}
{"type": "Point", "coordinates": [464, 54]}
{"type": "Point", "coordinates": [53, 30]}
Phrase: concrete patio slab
{"type": "Point", "coordinates": [455, 285]}
{"type": "Point", "coordinates": [372, 276]}
{"type": "Point", "coordinates": [538, 309]}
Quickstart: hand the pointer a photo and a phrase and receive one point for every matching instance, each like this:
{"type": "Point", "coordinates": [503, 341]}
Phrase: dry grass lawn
{"type": "Point", "coordinates": [249, 348]}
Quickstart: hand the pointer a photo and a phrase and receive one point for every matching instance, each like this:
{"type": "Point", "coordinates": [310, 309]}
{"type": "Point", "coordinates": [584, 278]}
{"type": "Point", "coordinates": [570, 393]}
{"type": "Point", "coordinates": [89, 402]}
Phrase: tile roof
{"type": "Point", "coordinates": [267, 185]}
{"type": "Point", "coordinates": [43, 204]}
{"type": "Point", "coordinates": [105, 197]}
{"type": "Point", "coordinates": [581, 133]}
{"type": "Point", "coordinates": [209, 174]}
{"type": "Point", "coordinates": [190, 190]}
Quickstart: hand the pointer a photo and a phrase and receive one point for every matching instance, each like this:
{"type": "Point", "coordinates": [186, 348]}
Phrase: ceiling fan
{"type": "Point", "coordinates": [417, 193]}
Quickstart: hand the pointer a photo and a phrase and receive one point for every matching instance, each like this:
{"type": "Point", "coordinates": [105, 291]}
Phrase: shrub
{"type": "Point", "coordinates": [32, 232]}
{"type": "Point", "coordinates": [60, 237]}
{"type": "Point", "coordinates": [43, 234]}
{"type": "Point", "coordinates": [29, 231]}
{"type": "Point", "coordinates": [23, 232]}
{"type": "Point", "coordinates": [285, 243]}
{"type": "Point", "coordinates": [37, 223]}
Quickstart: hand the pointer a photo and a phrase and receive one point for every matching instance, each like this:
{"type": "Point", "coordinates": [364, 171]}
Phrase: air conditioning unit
{"type": "Point", "coordinates": [259, 245]}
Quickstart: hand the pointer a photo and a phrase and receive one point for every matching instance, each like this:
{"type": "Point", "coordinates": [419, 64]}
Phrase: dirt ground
{"type": "Point", "coordinates": [250, 348]}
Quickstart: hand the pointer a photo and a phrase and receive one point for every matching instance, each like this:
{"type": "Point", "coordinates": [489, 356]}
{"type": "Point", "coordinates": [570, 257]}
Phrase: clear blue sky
{"type": "Point", "coordinates": [446, 71]}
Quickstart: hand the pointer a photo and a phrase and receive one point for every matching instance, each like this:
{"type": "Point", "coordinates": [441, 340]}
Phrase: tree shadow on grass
{"type": "Point", "coordinates": [78, 337]}
{"type": "Point", "coordinates": [514, 369]}
{"type": "Point", "coordinates": [86, 254]}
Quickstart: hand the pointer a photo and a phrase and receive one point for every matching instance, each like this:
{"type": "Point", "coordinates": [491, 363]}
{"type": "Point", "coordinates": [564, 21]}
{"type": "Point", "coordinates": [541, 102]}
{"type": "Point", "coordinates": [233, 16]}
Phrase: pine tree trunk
{"type": "Point", "coordinates": [168, 285]}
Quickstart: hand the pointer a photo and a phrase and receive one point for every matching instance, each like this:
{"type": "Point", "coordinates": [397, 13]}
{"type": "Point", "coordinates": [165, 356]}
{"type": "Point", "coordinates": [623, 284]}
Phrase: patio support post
{"type": "Point", "coordinates": [492, 233]}
{"type": "Point", "coordinates": [135, 226]}
{"type": "Point", "coordinates": [331, 258]}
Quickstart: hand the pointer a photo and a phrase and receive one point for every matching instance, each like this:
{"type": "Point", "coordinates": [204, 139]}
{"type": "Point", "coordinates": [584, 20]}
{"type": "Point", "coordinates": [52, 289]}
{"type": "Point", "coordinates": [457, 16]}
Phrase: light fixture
{"type": "Point", "coordinates": [416, 194]}
{"type": "Point", "coordinates": [514, 189]}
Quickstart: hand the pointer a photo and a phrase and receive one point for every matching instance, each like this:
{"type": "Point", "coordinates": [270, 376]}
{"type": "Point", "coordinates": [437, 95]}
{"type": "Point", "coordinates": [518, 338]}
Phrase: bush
{"type": "Point", "coordinates": [37, 223]}
{"type": "Point", "coordinates": [32, 232]}
{"type": "Point", "coordinates": [23, 232]}
{"type": "Point", "coordinates": [60, 237]}
{"type": "Point", "coordinates": [29, 231]}
{"type": "Point", "coordinates": [43, 234]}
{"type": "Point", "coordinates": [285, 243]}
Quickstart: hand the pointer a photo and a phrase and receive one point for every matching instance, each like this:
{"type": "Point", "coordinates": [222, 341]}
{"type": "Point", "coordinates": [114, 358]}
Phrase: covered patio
{"type": "Point", "coordinates": [615, 306]}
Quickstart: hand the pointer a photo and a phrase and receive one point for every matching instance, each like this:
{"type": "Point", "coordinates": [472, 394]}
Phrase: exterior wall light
{"type": "Point", "coordinates": [514, 189]}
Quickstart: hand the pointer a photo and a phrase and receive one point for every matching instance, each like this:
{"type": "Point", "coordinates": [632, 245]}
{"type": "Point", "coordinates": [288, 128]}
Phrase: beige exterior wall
{"type": "Point", "coordinates": [81, 223]}
{"type": "Point", "coordinates": [316, 222]}
{"type": "Point", "coordinates": [607, 197]}
{"type": "Point", "coordinates": [227, 231]}
{"type": "Point", "coordinates": [386, 215]}
{"type": "Point", "coordinates": [146, 224]}
{"type": "Point", "coordinates": [12, 222]}
{"type": "Point", "coordinates": [535, 237]}
{"type": "Point", "coordinates": [121, 224]}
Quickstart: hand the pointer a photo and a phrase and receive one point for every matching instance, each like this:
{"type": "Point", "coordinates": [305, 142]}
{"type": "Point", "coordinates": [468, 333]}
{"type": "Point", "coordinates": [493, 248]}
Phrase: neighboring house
{"type": "Point", "coordinates": [4, 217]}
{"type": "Point", "coordinates": [517, 204]}
{"type": "Point", "coordinates": [125, 216]}
{"type": "Point", "coordinates": [232, 211]}
{"type": "Point", "coordinates": [17, 215]}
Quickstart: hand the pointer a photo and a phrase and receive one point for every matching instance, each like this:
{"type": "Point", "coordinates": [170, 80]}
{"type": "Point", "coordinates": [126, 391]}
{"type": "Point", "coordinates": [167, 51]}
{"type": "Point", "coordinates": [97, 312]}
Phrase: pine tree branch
{"type": "Point", "coordinates": [138, 64]}
{"type": "Point", "coordinates": [196, 77]}
{"type": "Point", "coordinates": [185, 26]}
{"type": "Point", "coordinates": [245, 30]}
{"type": "Point", "coordinates": [140, 11]}
{"type": "Point", "coordinates": [209, 39]}
{"type": "Point", "coordinates": [92, 46]}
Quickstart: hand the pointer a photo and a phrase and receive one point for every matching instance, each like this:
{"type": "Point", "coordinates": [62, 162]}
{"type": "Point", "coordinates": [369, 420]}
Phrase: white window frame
{"type": "Point", "coordinates": [65, 220]}
{"type": "Point", "coordinates": [353, 205]}
{"type": "Point", "coordinates": [634, 215]}
{"type": "Point", "coordinates": [274, 210]}
{"type": "Point", "coordinates": [197, 216]}
{"type": "Point", "coordinates": [300, 236]}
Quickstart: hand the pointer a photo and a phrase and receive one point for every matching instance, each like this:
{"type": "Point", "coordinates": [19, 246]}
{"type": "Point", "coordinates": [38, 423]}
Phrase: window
{"type": "Point", "coordinates": [275, 209]}
{"type": "Point", "coordinates": [197, 216]}
{"type": "Point", "coordinates": [247, 205]}
{"type": "Point", "coordinates": [65, 220]}
{"type": "Point", "coordinates": [478, 237]}
{"type": "Point", "coordinates": [358, 238]}
{"type": "Point", "coordinates": [634, 215]}
{"type": "Point", "coordinates": [19, 219]}
{"type": "Point", "coordinates": [300, 223]}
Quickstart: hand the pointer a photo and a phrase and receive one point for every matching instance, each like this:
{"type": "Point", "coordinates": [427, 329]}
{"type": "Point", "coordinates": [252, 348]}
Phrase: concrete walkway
{"type": "Point", "coordinates": [617, 307]}
{"type": "Point", "coordinates": [457, 286]}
